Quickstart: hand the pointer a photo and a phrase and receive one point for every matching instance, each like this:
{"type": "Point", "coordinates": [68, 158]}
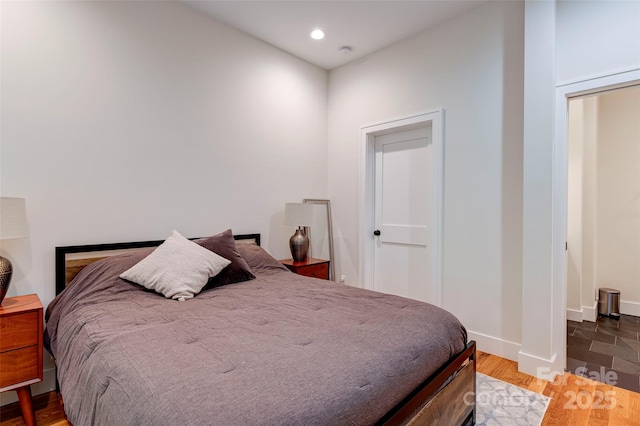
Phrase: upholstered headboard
{"type": "Point", "coordinates": [71, 259]}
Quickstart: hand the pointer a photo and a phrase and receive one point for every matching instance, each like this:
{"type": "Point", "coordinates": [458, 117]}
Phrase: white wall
{"type": "Point", "coordinates": [124, 120]}
{"type": "Point", "coordinates": [582, 209]}
{"type": "Point", "coordinates": [590, 39]}
{"type": "Point", "coordinates": [618, 218]}
{"type": "Point", "coordinates": [538, 298]}
{"type": "Point", "coordinates": [472, 67]}
{"type": "Point", "coordinates": [574, 209]}
{"type": "Point", "coordinates": [596, 37]}
{"type": "Point", "coordinates": [589, 208]}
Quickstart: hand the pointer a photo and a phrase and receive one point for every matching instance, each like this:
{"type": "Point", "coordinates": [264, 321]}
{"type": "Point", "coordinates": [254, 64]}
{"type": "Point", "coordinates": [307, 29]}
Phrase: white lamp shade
{"type": "Point", "coordinates": [13, 218]}
{"type": "Point", "coordinates": [299, 214]}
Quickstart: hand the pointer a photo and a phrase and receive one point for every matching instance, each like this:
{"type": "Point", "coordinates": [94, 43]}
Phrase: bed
{"type": "Point", "coordinates": [275, 349]}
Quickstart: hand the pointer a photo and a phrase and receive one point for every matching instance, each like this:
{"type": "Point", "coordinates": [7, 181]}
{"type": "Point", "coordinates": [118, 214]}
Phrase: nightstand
{"type": "Point", "coordinates": [21, 349]}
{"type": "Point", "coordinates": [310, 267]}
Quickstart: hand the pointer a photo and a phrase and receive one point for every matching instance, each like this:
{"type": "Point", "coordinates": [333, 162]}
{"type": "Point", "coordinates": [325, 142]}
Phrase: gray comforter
{"type": "Point", "coordinates": [278, 350]}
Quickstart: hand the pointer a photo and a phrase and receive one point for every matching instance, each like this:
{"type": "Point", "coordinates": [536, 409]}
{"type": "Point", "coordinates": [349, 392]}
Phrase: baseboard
{"type": "Point", "coordinates": [630, 308]}
{"type": "Point", "coordinates": [541, 368]}
{"type": "Point", "coordinates": [47, 384]}
{"type": "Point", "coordinates": [574, 315]}
{"type": "Point", "coordinates": [493, 345]}
{"type": "Point", "coordinates": [590, 313]}
{"type": "Point", "coordinates": [586, 313]}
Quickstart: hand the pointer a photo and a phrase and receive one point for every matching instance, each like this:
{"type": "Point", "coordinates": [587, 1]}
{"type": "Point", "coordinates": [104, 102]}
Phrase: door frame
{"type": "Point", "coordinates": [367, 190]}
{"type": "Point", "coordinates": [560, 191]}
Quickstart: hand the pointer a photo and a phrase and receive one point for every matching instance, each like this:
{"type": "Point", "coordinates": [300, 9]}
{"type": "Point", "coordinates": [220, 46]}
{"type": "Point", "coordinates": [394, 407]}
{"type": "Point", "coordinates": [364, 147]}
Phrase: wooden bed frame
{"type": "Point", "coordinates": [447, 398]}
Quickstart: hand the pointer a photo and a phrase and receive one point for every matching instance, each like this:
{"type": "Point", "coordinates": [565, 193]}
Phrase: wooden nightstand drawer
{"type": "Point", "coordinates": [19, 330]}
{"type": "Point", "coordinates": [19, 366]}
{"type": "Point", "coordinates": [315, 271]}
{"type": "Point", "coordinates": [20, 341]}
{"type": "Point", "coordinates": [21, 349]}
{"type": "Point", "coordinates": [310, 267]}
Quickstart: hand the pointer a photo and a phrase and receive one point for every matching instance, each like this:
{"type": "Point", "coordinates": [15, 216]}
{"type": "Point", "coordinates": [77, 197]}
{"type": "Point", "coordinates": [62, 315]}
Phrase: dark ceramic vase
{"type": "Point", "coordinates": [299, 245]}
{"type": "Point", "coordinates": [5, 276]}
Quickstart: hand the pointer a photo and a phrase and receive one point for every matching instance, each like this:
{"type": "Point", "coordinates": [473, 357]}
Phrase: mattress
{"type": "Point", "coordinates": [281, 349]}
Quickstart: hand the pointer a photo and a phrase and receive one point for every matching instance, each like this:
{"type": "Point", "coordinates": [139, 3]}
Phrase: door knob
{"type": "Point", "coordinates": [376, 232]}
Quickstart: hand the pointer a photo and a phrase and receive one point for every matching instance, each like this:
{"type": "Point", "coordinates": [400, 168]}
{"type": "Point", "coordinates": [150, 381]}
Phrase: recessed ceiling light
{"type": "Point", "coordinates": [317, 34]}
{"type": "Point", "coordinates": [345, 50]}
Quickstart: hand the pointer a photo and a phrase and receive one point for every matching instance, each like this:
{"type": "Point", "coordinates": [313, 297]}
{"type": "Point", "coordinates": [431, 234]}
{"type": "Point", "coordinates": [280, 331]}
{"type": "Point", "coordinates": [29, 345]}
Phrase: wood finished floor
{"type": "Point", "coordinates": [575, 400]}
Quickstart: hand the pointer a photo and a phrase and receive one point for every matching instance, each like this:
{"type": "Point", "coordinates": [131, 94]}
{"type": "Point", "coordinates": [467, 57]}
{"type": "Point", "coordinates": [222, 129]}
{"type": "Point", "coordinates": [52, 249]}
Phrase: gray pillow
{"type": "Point", "coordinates": [224, 245]}
{"type": "Point", "coordinates": [259, 260]}
{"type": "Point", "coordinates": [177, 268]}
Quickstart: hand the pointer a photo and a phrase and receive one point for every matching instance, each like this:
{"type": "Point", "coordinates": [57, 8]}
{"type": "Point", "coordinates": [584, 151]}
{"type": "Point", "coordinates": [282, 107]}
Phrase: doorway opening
{"type": "Point", "coordinates": [560, 209]}
{"type": "Point", "coordinates": [603, 233]}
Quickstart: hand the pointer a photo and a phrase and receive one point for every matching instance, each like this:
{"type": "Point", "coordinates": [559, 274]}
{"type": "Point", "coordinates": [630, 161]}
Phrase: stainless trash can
{"type": "Point", "coordinates": [609, 302]}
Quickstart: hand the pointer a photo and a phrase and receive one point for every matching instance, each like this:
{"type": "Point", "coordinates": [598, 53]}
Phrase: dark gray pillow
{"type": "Point", "coordinates": [224, 245]}
{"type": "Point", "coordinates": [259, 260]}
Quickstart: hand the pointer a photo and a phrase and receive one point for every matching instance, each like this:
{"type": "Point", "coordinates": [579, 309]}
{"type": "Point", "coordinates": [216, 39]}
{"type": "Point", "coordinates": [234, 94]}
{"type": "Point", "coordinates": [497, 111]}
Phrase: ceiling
{"type": "Point", "coordinates": [364, 26]}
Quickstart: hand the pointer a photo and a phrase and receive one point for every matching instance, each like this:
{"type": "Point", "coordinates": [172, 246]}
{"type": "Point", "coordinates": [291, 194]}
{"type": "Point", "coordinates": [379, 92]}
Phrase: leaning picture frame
{"type": "Point", "coordinates": [321, 234]}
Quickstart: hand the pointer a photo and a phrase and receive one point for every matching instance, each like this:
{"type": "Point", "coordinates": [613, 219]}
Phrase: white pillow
{"type": "Point", "coordinates": [178, 268]}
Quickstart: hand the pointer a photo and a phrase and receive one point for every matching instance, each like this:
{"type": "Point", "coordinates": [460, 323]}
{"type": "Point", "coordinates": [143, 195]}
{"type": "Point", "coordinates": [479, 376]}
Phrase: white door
{"type": "Point", "coordinates": [402, 217]}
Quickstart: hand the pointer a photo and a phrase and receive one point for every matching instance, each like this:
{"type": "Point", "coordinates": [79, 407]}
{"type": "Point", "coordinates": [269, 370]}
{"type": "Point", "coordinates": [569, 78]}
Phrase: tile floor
{"type": "Point", "coordinates": [606, 350]}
